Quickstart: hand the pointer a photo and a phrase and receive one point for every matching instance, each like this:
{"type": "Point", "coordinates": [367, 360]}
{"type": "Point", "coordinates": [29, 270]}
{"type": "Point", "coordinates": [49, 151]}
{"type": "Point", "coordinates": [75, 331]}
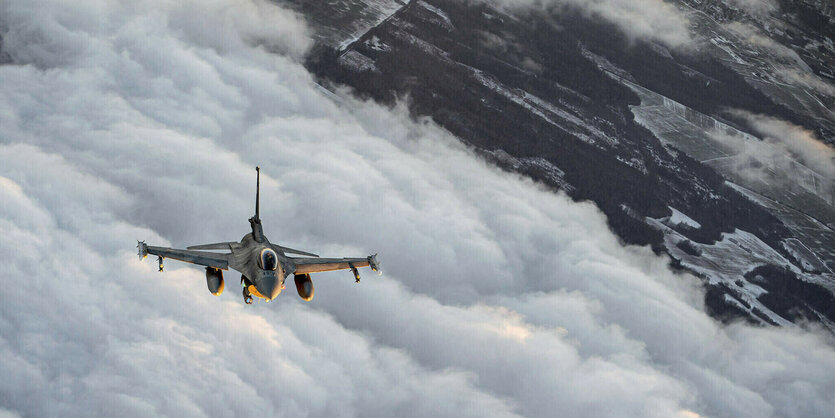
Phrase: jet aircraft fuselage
{"type": "Point", "coordinates": [264, 266]}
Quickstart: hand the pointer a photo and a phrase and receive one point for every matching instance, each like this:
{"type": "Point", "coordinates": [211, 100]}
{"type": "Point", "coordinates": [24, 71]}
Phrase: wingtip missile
{"type": "Point", "coordinates": [374, 264]}
{"type": "Point", "coordinates": [143, 249]}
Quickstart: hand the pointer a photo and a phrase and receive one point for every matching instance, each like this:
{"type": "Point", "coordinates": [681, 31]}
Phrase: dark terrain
{"type": "Point", "coordinates": [527, 92]}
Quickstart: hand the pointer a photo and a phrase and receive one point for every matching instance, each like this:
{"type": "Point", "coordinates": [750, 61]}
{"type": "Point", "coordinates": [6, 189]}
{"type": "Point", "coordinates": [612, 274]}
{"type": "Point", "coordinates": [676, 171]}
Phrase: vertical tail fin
{"type": "Point", "coordinates": [257, 193]}
{"type": "Point", "coordinates": [255, 221]}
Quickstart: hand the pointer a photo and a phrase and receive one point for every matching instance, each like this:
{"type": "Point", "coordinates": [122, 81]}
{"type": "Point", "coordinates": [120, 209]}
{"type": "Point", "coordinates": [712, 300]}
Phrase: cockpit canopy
{"type": "Point", "coordinates": [269, 259]}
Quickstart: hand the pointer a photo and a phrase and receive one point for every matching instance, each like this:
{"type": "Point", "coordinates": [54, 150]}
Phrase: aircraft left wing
{"type": "Point", "coordinates": [203, 258]}
{"type": "Point", "coordinates": [317, 265]}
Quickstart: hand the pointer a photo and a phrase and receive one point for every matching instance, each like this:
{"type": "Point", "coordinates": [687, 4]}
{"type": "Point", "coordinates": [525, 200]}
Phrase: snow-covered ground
{"type": "Point", "coordinates": [678, 218]}
{"type": "Point", "coordinates": [727, 261]}
{"type": "Point", "coordinates": [793, 192]}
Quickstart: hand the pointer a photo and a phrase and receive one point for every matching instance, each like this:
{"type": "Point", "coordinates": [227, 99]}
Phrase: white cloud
{"type": "Point", "coordinates": [499, 298]}
{"type": "Point", "coordinates": [752, 35]}
{"type": "Point", "coordinates": [655, 20]}
{"type": "Point", "coordinates": [788, 66]}
{"type": "Point", "coordinates": [756, 7]}
{"type": "Point", "coordinates": [789, 156]}
{"type": "Point", "coordinates": [796, 141]}
{"type": "Point", "coordinates": [806, 79]}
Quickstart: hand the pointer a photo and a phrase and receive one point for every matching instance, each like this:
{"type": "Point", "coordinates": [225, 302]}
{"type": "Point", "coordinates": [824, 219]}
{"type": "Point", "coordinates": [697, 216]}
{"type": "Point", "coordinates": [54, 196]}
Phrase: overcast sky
{"type": "Point", "coordinates": [144, 120]}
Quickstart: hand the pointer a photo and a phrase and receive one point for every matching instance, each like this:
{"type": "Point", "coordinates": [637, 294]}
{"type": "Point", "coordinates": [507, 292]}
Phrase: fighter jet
{"type": "Point", "coordinates": [263, 265]}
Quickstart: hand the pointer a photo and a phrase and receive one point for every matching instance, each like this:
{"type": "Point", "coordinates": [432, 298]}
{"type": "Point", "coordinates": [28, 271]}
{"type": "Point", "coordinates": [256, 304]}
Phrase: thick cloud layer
{"type": "Point", "coordinates": [144, 121]}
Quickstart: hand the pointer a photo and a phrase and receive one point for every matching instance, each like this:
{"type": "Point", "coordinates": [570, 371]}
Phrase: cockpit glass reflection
{"type": "Point", "coordinates": [269, 260]}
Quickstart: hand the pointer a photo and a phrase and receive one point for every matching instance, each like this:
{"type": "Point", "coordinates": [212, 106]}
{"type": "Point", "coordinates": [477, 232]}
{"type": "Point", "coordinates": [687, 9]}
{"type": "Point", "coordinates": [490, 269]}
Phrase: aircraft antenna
{"type": "Point", "coordinates": [257, 192]}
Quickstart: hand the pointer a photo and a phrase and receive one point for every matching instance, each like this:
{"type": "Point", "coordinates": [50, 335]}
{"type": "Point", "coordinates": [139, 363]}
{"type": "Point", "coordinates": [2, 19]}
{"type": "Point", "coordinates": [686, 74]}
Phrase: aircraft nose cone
{"type": "Point", "coordinates": [270, 286]}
